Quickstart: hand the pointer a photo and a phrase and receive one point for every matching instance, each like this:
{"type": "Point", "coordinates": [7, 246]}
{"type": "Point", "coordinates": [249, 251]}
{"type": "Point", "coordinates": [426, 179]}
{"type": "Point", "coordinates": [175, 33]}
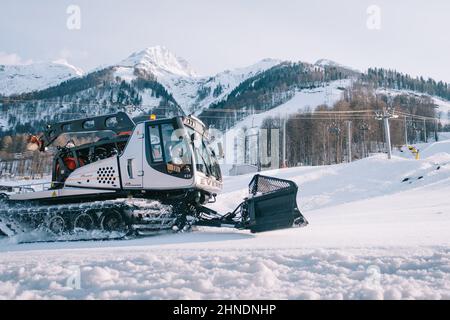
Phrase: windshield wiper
{"type": "Point", "coordinates": [199, 154]}
{"type": "Point", "coordinates": [208, 167]}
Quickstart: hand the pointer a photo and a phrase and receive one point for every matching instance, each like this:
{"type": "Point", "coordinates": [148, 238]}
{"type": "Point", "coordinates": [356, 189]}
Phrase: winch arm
{"type": "Point", "coordinates": [118, 123]}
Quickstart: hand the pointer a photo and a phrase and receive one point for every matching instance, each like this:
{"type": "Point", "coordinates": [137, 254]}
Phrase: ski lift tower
{"type": "Point", "coordinates": [384, 116]}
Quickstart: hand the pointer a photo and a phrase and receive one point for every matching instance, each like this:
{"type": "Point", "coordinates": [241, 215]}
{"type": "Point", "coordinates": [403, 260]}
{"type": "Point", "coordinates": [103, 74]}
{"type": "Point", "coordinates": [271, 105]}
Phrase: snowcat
{"type": "Point", "coordinates": [150, 176]}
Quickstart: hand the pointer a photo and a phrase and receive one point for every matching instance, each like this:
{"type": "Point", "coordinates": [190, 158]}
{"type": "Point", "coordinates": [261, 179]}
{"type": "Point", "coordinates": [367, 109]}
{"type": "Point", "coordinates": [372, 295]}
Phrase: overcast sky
{"type": "Point", "coordinates": [414, 35]}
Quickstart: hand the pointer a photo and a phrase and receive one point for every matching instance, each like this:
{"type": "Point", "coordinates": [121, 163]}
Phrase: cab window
{"type": "Point", "coordinates": [167, 147]}
{"type": "Point", "coordinates": [155, 144]}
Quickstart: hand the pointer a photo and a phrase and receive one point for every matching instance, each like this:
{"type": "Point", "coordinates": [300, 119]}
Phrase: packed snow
{"type": "Point", "coordinates": [378, 230]}
{"type": "Point", "coordinates": [37, 76]}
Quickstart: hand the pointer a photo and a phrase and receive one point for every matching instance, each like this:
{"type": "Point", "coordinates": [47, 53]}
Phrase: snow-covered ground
{"type": "Point", "coordinates": [370, 236]}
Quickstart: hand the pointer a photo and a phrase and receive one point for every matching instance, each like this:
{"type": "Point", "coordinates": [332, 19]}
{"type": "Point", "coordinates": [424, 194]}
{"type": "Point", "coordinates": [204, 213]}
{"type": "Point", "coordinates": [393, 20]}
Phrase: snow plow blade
{"type": "Point", "coordinates": [272, 204]}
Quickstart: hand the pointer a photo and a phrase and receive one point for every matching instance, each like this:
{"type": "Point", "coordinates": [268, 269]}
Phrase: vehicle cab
{"type": "Point", "coordinates": [171, 154]}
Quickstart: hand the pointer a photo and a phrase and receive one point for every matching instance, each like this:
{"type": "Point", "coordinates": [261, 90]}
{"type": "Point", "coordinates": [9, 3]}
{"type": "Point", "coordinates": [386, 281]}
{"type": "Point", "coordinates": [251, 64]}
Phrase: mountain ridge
{"type": "Point", "coordinates": [159, 60]}
{"type": "Point", "coordinates": [16, 79]}
{"type": "Point", "coordinates": [154, 80]}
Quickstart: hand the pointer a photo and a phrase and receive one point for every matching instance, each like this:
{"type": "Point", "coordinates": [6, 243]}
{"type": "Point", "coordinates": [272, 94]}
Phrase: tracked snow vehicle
{"type": "Point", "coordinates": [151, 176]}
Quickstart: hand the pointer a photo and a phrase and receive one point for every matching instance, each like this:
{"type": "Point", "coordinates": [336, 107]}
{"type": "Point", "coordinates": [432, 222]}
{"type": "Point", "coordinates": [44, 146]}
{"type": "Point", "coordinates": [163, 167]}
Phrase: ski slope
{"type": "Point", "coordinates": [371, 236]}
{"type": "Point", "coordinates": [303, 100]}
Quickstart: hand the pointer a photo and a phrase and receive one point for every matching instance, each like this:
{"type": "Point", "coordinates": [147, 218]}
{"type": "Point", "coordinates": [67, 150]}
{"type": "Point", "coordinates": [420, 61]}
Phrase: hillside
{"type": "Point", "coordinates": [150, 81]}
{"type": "Point", "coordinates": [155, 80]}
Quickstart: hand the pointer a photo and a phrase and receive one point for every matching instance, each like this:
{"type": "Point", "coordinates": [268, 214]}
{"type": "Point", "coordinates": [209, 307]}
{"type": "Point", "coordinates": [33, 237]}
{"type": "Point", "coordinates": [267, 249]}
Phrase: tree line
{"type": "Point", "coordinates": [396, 80]}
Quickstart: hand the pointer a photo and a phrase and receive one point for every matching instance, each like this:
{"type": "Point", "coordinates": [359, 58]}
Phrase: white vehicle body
{"type": "Point", "coordinates": [136, 170]}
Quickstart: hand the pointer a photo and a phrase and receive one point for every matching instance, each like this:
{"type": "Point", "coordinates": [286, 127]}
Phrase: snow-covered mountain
{"type": "Point", "coordinates": [196, 94]}
{"type": "Point", "coordinates": [160, 62]}
{"type": "Point", "coordinates": [37, 76]}
{"type": "Point", "coordinates": [155, 80]}
{"type": "Point", "coordinates": [191, 91]}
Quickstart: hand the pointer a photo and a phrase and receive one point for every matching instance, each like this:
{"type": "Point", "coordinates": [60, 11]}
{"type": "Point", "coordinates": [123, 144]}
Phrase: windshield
{"type": "Point", "coordinates": [169, 150]}
{"type": "Point", "coordinates": [168, 145]}
{"type": "Point", "coordinates": [205, 159]}
{"type": "Point", "coordinates": [176, 149]}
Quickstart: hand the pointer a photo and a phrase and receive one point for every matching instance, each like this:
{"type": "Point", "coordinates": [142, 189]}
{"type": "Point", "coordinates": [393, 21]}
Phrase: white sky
{"type": "Point", "coordinates": [216, 35]}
